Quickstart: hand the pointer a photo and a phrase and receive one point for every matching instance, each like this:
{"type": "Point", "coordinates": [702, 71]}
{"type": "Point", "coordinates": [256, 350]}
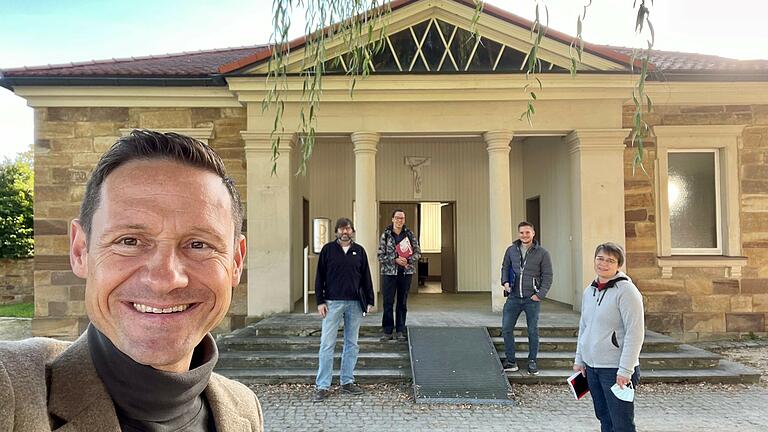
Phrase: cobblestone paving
{"type": "Point", "coordinates": [390, 408]}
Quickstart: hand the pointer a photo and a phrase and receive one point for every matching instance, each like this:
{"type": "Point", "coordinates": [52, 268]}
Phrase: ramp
{"type": "Point", "coordinates": [456, 365]}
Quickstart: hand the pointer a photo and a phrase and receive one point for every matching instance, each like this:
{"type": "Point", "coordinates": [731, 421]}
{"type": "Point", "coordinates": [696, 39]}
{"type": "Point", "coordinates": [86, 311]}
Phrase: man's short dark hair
{"type": "Point", "coordinates": [398, 210]}
{"type": "Point", "coordinates": [613, 249]}
{"type": "Point", "coordinates": [343, 222]}
{"type": "Point", "coordinates": [524, 224]}
{"type": "Point", "coordinates": [151, 145]}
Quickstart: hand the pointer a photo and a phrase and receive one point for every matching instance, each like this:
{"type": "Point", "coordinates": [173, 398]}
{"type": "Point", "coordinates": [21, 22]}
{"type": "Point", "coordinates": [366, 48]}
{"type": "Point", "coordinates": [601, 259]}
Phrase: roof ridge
{"type": "Point", "coordinates": [132, 58]}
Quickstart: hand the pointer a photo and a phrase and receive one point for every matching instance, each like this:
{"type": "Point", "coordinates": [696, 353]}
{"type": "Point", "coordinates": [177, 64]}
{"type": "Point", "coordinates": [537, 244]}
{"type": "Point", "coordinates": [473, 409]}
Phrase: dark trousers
{"type": "Point", "coordinates": [615, 415]}
{"type": "Point", "coordinates": [513, 307]}
{"type": "Point", "coordinates": [395, 288]}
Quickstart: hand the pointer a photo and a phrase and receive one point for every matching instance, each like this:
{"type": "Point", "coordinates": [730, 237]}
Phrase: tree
{"type": "Point", "coordinates": [16, 207]}
{"type": "Point", "coordinates": [355, 22]}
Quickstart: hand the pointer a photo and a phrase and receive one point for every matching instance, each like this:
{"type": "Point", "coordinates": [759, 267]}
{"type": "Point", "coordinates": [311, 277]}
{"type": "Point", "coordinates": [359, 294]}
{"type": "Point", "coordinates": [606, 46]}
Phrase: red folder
{"type": "Point", "coordinates": [404, 248]}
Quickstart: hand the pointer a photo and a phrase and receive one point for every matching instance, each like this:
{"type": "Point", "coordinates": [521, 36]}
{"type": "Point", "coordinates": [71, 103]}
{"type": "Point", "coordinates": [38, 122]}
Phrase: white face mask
{"type": "Point", "coordinates": [627, 394]}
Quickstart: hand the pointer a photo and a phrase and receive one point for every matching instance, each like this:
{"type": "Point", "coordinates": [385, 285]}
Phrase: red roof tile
{"type": "Point", "coordinates": [186, 64]}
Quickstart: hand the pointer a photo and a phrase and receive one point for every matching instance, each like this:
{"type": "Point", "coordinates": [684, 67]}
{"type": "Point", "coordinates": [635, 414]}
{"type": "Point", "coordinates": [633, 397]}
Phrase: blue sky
{"type": "Point", "coordinates": [35, 32]}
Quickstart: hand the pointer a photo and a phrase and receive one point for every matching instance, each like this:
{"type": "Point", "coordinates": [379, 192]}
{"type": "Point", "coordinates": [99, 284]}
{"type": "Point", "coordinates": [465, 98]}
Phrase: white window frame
{"type": "Point", "coordinates": [718, 249]}
{"type": "Point", "coordinates": [725, 140]}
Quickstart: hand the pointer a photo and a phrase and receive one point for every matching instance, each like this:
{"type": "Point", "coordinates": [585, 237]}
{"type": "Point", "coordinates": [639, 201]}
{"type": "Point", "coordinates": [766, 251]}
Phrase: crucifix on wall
{"type": "Point", "coordinates": [416, 163]}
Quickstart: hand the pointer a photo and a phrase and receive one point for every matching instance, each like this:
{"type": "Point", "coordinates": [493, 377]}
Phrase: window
{"type": "Point", "coordinates": [698, 198]}
{"type": "Point", "coordinates": [430, 240]}
{"type": "Point", "coordinates": [693, 194]}
{"type": "Point", "coordinates": [437, 46]}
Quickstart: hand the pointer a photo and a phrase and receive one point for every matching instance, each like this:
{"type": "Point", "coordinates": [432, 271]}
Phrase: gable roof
{"type": "Point", "coordinates": [494, 11]}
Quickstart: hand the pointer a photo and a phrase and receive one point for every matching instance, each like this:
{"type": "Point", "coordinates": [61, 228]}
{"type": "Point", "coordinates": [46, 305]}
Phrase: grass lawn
{"type": "Point", "coordinates": [19, 310]}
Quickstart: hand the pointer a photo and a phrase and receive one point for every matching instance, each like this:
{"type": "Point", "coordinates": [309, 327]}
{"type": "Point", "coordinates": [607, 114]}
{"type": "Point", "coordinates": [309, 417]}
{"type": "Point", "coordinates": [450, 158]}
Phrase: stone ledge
{"type": "Point", "coordinates": [731, 265]}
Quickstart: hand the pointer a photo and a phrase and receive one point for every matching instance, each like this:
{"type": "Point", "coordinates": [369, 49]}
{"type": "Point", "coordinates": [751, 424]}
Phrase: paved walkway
{"type": "Point", "coordinates": [540, 408]}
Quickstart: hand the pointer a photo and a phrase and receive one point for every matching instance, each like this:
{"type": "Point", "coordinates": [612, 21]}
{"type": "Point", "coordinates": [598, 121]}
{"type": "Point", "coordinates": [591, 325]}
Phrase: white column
{"type": "Point", "coordinates": [597, 198]}
{"type": "Point", "coordinates": [269, 232]}
{"type": "Point", "coordinates": [497, 142]}
{"type": "Point", "coordinates": [366, 208]}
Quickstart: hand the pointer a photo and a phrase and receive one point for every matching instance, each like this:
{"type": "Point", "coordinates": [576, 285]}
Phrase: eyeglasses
{"type": "Point", "coordinates": [399, 217]}
{"type": "Point", "coordinates": [602, 259]}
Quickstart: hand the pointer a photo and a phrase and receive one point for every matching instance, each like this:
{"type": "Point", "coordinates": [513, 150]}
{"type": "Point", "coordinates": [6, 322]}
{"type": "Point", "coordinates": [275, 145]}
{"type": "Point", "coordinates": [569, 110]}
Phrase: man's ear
{"type": "Point", "coordinates": [239, 260]}
{"type": "Point", "coordinates": [78, 249]}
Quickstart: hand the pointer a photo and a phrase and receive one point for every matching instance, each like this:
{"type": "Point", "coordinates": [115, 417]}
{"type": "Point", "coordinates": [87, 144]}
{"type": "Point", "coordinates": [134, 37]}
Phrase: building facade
{"type": "Point", "coordinates": [438, 121]}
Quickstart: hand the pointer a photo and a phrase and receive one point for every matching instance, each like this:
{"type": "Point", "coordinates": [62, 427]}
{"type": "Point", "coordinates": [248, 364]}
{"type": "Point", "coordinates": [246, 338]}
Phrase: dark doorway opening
{"type": "Point", "coordinates": [533, 215]}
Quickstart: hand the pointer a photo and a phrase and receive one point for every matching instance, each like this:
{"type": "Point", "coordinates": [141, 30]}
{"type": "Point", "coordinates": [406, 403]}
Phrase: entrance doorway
{"type": "Point", "coordinates": [434, 224]}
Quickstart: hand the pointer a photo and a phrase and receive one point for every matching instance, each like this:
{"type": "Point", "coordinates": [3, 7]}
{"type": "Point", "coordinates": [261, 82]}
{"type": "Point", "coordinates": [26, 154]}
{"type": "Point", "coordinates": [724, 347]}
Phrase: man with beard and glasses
{"type": "Point", "coordinates": [344, 292]}
{"type": "Point", "coordinates": [159, 244]}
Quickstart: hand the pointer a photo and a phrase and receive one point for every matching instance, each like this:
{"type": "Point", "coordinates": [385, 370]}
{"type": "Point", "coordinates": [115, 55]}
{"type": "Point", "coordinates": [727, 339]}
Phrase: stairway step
{"type": "Point", "coordinates": [726, 372]}
{"type": "Point", "coordinates": [687, 357]}
{"type": "Point", "coordinates": [307, 376]}
{"type": "Point", "coordinates": [302, 360]}
{"type": "Point", "coordinates": [652, 343]}
{"type": "Point", "coordinates": [300, 343]}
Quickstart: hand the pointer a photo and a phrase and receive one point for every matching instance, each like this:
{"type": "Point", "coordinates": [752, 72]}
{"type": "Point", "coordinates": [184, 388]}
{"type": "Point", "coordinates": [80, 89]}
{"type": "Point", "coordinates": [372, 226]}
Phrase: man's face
{"type": "Point", "coordinates": [526, 233]}
{"type": "Point", "coordinates": [161, 260]}
{"type": "Point", "coordinates": [398, 220]}
{"type": "Point", "coordinates": [344, 233]}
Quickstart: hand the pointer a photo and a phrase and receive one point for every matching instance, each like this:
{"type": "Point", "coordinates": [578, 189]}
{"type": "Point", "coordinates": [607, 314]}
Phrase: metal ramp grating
{"type": "Point", "coordinates": [456, 365]}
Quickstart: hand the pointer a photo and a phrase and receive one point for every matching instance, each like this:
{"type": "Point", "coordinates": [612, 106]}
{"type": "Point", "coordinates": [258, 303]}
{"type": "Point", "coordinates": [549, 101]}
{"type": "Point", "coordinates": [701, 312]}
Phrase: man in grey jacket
{"type": "Point", "coordinates": [526, 275]}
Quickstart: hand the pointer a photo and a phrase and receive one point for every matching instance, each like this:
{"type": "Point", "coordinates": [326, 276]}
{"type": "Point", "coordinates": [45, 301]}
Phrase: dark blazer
{"type": "Point", "coordinates": [45, 381]}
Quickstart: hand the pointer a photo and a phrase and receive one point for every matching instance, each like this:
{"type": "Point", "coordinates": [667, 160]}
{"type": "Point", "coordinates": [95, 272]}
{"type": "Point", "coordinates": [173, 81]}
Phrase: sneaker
{"type": "Point", "coordinates": [351, 388]}
{"type": "Point", "coordinates": [387, 337]}
{"type": "Point", "coordinates": [401, 336]}
{"type": "Point", "coordinates": [510, 366]}
{"type": "Point", "coordinates": [320, 395]}
{"type": "Point", "coordinates": [532, 369]}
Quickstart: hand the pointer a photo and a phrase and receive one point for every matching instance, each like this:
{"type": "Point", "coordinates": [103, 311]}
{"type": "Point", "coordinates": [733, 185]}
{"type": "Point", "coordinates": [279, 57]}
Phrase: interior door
{"type": "Point", "coordinates": [448, 248]}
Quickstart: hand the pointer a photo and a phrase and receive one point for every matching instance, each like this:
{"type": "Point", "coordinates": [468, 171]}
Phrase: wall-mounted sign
{"type": "Point", "coordinates": [321, 233]}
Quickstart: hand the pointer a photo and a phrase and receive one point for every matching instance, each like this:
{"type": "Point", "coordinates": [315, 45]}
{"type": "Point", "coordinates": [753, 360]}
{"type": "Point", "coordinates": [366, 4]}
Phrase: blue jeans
{"type": "Point", "coordinates": [338, 310]}
{"type": "Point", "coordinates": [512, 310]}
{"type": "Point", "coordinates": [615, 415]}
{"type": "Point", "coordinates": [395, 288]}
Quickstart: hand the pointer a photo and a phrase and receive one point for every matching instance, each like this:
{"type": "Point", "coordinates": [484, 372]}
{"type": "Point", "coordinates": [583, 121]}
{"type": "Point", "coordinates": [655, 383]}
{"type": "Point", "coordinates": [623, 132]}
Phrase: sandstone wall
{"type": "Point", "coordinates": [16, 280]}
{"type": "Point", "coordinates": [702, 303]}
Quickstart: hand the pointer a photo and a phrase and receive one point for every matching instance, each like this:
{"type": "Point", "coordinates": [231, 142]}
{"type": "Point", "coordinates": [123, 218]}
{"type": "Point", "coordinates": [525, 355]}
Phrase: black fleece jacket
{"type": "Point", "coordinates": [343, 276]}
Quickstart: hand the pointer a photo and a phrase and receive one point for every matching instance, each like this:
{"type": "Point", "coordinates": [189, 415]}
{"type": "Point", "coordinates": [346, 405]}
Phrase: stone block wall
{"type": "Point", "coordinates": [701, 303]}
{"type": "Point", "coordinates": [68, 143]}
{"type": "Point", "coordinates": [16, 281]}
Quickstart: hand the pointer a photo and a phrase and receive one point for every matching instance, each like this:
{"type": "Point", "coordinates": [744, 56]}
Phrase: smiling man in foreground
{"type": "Point", "coordinates": [159, 243]}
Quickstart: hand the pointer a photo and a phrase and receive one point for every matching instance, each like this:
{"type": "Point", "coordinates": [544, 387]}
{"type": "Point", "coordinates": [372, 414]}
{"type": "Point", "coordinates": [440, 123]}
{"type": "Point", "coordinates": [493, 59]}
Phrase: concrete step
{"type": "Point", "coordinates": [652, 343]}
{"type": "Point", "coordinates": [687, 357]}
{"type": "Point", "coordinates": [303, 360]}
{"type": "Point", "coordinates": [307, 376]}
{"type": "Point", "coordinates": [304, 344]}
{"type": "Point", "coordinates": [266, 328]}
{"type": "Point", "coordinates": [725, 372]}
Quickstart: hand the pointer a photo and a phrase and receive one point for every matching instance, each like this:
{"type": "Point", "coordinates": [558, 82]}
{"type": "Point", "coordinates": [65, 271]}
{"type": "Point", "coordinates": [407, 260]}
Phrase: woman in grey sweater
{"type": "Point", "coordinates": [611, 333]}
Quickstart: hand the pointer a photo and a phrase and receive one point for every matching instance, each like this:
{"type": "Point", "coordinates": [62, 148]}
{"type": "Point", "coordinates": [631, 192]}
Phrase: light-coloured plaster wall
{"type": "Point", "coordinates": [546, 174]}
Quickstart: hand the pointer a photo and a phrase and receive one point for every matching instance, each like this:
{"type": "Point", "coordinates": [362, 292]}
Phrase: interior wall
{"type": "Point", "coordinates": [457, 172]}
{"type": "Point", "coordinates": [546, 173]}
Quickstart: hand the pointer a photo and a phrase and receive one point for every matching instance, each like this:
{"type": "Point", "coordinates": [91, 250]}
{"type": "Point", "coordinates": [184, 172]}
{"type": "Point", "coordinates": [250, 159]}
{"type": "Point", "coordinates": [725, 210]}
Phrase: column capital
{"type": "Point", "coordinates": [498, 140]}
{"type": "Point", "coordinates": [596, 139]}
{"type": "Point", "coordinates": [260, 142]}
{"type": "Point", "coordinates": [365, 141]}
